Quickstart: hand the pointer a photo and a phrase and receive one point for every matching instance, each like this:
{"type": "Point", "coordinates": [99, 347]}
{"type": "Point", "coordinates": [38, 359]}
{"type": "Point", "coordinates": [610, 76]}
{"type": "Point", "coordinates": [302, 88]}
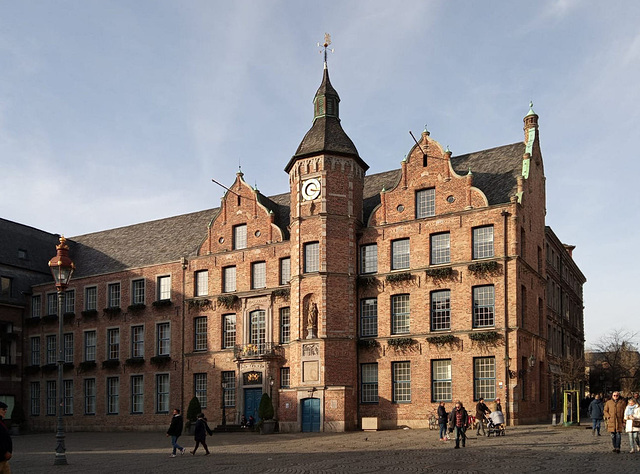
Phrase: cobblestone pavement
{"type": "Point", "coordinates": [537, 448]}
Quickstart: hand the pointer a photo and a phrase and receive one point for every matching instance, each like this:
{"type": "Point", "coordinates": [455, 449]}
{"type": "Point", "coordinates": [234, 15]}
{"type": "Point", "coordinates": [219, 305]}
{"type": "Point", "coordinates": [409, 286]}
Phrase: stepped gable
{"type": "Point", "coordinates": [495, 171]}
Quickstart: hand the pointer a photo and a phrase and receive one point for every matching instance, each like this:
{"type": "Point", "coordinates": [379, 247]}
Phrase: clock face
{"type": "Point", "coordinates": [310, 189]}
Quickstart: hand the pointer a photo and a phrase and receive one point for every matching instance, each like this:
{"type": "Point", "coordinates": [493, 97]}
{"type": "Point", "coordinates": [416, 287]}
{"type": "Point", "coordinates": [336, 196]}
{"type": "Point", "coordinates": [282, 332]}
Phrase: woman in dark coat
{"type": "Point", "coordinates": [443, 416]}
{"type": "Point", "coordinates": [200, 434]}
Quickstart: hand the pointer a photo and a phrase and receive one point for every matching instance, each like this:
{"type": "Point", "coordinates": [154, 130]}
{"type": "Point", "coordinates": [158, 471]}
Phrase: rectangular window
{"type": "Point", "coordinates": [137, 393]}
{"type": "Point", "coordinates": [164, 288]}
{"type": "Point", "coordinates": [369, 258]}
{"type": "Point", "coordinates": [483, 242]}
{"type": "Point", "coordinates": [441, 310]}
{"type": "Point", "coordinates": [258, 329]}
{"type": "Point", "coordinates": [441, 381]}
{"type": "Point", "coordinates": [440, 248]}
{"type": "Point", "coordinates": [200, 333]}
{"type": "Point", "coordinates": [36, 306]}
{"type": "Point", "coordinates": [258, 275]}
{"type": "Point", "coordinates": [400, 254]}
{"type": "Point", "coordinates": [369, 382]}
{"type": "Point", "coordinates": [369, 317]}
{"type": "Point", "coordinates": [91, 298]}
{"type": "Point", "coordinates": [200, 389]}
{"type": "Point", "coordinates": [162, 393]}
{"type": "Point", "coordinates": [285, 325]}
{"type": "Point", "coordinates": [229, 388]}
{"type": "Point", "coordinates": [113, 295]}
{"type": "Point", "coordinates": [70, 301]}
{"type": "Point", "coordinates": [35, 350]}
{"type": "Point", "coordinates": [89, 345]}
{"type": "Point", "coordinates": [113, 343]}
{"type": "Point", "coordinates": [228, 279]}
{"type": "Point", "coordinates": [51, 397]}
{"type": "Point", "coordinates": [484, 378]}
{"type": "Point", "coordinates": [52, 304]}
{"type": "Point", "coordinates": [113, 395]}
{"type": "Point", "coordinates": [401, 382]}
{"type": "Point", "coordinates": [311, 257]}
{"type": "Point", "coordinates": [137, 341]}
{"type": "Point", "coordinates": [483, 306]}
{"type": "Point", "coordinates": [6, 287]}
{"type": "Point", "coordinates": [228, 331]}
{"type": "Point", "coordinates": [400, 314]}
{"type": "Point", "coordinates": [425, 203]}
{"type": "Point", "coordinates": [51, 349]}
{"type": "Point", "coordinates": [202, 283]}
{"type": "Point", "coordinates": [68, 348]}
{"type": "Point", "coordinates": [68, 397]}
{"type": "Point", "coordinates": [285, 377]}
{"type": "Point", "coordinates": [285, 270]}
{"type": "Point", "coordinates": [163, 345]}
{"type": "Point", "coordinates": [90, 396]}
{"type": "Point", "coordinates": [240, 237]}
{"type": "Point", "coordinates": [35, 398]}
{"type": "Point", "coordinates": [137, 291]}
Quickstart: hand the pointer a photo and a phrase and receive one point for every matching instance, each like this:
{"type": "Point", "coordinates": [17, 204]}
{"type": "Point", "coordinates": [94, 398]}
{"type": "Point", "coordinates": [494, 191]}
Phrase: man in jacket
{"type": "Point", "coordinates": [175, 430]}
{"type": "Point", "coordinates": [614, 414]}
{"type": "Point", "coordinates": [481, 410]}
{"type": "Point", "coordinates": [596, 413]}
{"type": "Point", "coordinates": [6, 445]}
{"type": "Point", "coordinates": [458, 421]}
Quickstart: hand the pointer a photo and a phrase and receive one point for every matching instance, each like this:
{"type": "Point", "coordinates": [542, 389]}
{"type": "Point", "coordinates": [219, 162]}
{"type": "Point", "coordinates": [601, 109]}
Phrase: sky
{"type": "Point", "coordinates": [119, 112]}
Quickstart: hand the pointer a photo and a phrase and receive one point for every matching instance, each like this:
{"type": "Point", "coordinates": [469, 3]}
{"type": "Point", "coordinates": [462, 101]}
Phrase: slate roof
{"type": "Point", "coordinates": [39, 245]}
{"type": "Point", "coordinates": [495, 171]}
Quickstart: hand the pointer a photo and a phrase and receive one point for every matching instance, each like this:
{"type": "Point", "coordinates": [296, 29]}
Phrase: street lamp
{"type": "Point", "coordinates": [61, 268]}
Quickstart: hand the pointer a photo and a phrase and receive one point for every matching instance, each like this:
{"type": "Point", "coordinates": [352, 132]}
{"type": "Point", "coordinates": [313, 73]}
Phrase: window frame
{"type": "Point", "coordinates": [201, 280]}
{"type": "Point", "coordinates": [401, 254]}
{"type": "Point", "coordinates": [91, 298]}
{"type": "Point", "coordinates": [112, 385]}
{"type": "Point", "coordinates": [439, 384]}
{"type": "Point", "coordinates": [137, 394]}
{"type": "Point", "coordinates": [401, 386]}
{"type": "Point", "coordinates": [482, 247]}
{"type": "Point", "coordinates": [368, 386]}
{"type": "Point", "coordinates": [440, 253]}
{"type": "Point", "coordinates": [425, 202]}
{"type": "Point", "coordinates": [229, 280]}
{"type": "Point", "coordinates": [285, 377]}
{"type": "Point", "coordinates": [163, 288]}
{"type": "Point", "coordinates": [137, 342]}
{"type": "Point", "coordinates": [200, 388]}
{"type": "Point", "coordinates": [163, 338]}
{"type": "Point", "coordinates": [258, 275]}
{"type": "Point", "coordinates": [239, 239]}
{"type": "Point", "coordinates": [311, 252]}
{"type": "Point", "coordinates": [138, 291]}
{"type": "Point", "coordinates": [89, 390]}
{"type": "Point", "coordinates": [285, 270]}
{"type": "Point", "coordinates": [400, 321]}
{"type": "Point", "coordinates": [113, 295]}
{"type": "Point", "coordinates": [163, 387]}
{"type": "Point", "coordinates": [440, 317]}
{"type": "Point", "coordinates": [484, 386]}
{"type": "Point", "coordinates": [369, 317]}
{"type": "Point", "coordinates": [368, 259]}
{"type": "Point", "coordinates": [89, 348]}
{"type": "Point", "coordinates": [229, 341]}
{"type": "Point", "coordinates": [285, 325]}
{"type": "Point", "coordinates": [200, 339]}
{"type": "Point", "coordinates": [485, 311]}
{"type": "Point", "coordinates": [113, 344]}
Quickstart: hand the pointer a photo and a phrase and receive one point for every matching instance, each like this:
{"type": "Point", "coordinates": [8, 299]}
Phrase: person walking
{"type": "Point", "coordinates": [614, 414]}
{"type": "Point", "coordinates": [6, 445]}
{"type": "Point", "coordinates": [631, 415]}
{"type": "Point", "coordinates": [595, 412]}
{"type": "Point", "coordinates": [481, 410]}
{"type": "Point", "coordinates": [175, 430]}
{"type": "Point", "coordinates": [442, 421]}
{"type": "Point", "coordinates": [200, 433]}
{"type": "Point", "coordinates": [458, 421]}
{"type": "Point", "coordinates": [498, 405]}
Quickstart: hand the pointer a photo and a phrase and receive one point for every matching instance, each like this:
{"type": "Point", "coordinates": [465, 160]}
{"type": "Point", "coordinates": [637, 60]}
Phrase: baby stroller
{"type": "Point", "coordinates": [495, 424]}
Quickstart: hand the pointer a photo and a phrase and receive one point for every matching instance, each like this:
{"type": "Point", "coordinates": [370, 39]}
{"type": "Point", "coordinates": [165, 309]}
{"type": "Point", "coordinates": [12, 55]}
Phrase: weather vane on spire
{"type": "Point", "coordinates": [325, 45]}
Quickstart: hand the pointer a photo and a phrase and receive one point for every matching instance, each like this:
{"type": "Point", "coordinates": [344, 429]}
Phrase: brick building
{"type": "Point", "coordinates": [349, 297]}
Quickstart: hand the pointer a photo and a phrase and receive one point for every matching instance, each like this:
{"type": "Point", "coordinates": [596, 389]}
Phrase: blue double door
{"type": "Point", "coordinates": [252, 398]}
{"type": "Point", "coordinates": [310, 415]}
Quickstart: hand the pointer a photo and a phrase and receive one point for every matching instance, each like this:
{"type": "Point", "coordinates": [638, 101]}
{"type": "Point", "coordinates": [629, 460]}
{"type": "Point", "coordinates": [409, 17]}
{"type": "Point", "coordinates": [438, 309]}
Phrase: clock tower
{"type": "Point", "coordinates": [326, 177]}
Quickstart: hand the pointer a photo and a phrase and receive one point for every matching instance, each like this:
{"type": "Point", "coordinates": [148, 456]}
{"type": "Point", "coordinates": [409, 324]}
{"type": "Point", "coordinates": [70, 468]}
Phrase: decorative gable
{"type": "Point", "coordinates": [242, 214]}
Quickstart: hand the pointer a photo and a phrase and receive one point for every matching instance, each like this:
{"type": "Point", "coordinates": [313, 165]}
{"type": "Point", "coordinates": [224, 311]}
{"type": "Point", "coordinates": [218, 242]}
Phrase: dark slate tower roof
{"type": "Point", "coordinates": [326, 135]}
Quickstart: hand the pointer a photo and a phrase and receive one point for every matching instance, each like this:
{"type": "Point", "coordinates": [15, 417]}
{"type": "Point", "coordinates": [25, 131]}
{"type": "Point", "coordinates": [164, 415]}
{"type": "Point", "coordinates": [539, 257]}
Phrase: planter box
{"type": "Point", "coordinates": [268, 427]}
{"type": "Point", "coordinates": [370, 423]}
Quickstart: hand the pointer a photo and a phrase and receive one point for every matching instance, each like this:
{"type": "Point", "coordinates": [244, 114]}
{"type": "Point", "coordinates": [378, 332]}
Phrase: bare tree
{"type": "Point", "coordinates": [615, 361]}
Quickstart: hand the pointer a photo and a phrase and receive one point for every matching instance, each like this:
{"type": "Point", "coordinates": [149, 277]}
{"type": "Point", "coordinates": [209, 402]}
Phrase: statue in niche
{"type": "Point", "coordinates": [312, 320]}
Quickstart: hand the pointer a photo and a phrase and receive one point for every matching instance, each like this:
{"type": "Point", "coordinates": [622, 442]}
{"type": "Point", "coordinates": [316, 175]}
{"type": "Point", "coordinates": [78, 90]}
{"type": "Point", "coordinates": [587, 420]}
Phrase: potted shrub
{"type": "Point", "coordinates": [193, 410]}
{"type": "Point", "coordinates": [267, 424]}
{"type": "Point", "coordinates": [17, 418]}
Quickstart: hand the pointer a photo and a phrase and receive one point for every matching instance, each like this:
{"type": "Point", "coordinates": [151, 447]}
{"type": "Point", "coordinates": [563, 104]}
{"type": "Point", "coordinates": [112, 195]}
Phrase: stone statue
{"type": "Point", "coordinates": [312, 321]}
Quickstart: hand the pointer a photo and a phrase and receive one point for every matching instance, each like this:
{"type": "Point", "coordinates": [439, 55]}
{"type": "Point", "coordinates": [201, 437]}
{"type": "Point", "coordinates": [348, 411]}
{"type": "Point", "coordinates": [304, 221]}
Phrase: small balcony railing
{"type": "Point", "coordinates": [254, 351]}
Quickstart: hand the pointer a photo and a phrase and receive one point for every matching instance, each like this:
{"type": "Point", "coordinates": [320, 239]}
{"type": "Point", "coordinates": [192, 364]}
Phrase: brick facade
{"type": "Point", "coordinates": [452, 305]}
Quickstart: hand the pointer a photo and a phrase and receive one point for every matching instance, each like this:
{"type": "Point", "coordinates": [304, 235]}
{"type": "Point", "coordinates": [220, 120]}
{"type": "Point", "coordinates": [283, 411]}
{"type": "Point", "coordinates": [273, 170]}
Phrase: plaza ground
{"type": "Point", "coordinates": [536, 448]}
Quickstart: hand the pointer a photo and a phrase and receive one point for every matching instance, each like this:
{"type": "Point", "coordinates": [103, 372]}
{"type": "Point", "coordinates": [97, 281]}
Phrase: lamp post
{"type": "Point", "coordinates": [61, 268]}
